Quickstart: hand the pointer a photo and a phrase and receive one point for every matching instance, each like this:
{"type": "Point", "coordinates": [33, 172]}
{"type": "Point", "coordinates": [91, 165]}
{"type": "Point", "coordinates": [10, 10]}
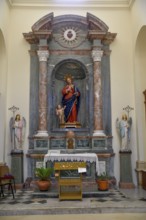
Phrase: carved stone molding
{"type": "Point", "coordinates": [97, 54]}
{"type": "Point", "coordinates": [44, 29]}
{"type": "Point", "coordinates": [43, 55]}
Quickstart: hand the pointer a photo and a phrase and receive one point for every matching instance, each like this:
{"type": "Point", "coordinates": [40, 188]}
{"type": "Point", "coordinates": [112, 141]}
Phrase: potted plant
{"type": "Point", "coordinates": [44, 173]}
{"type": "Point", "coordinates": [103, 181]}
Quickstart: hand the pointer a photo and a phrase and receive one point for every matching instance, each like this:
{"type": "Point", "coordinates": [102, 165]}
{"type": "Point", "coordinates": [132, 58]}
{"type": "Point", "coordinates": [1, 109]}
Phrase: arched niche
{"type": "Point", "coordinates": [140, 87]}
{"type": "Point", "coordinates": [3, 83]}
{"type": "Point", "coordinates": [78, 71]}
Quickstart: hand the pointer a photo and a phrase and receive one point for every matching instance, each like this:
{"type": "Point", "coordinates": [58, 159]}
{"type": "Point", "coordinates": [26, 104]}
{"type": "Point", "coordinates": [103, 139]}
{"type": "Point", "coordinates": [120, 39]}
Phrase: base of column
{"type": "Point", "coordinates": [99, 133]}
{"type": "Point", "coordinates": [41, 134]}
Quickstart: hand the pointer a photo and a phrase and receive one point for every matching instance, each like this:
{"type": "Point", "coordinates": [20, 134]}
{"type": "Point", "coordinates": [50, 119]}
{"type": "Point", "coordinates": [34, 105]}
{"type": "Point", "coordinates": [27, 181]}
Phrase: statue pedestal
{"type": "Point", "coordinates": [17, 166]}
{"type": "Point", "coordinates": [71, 125]}
{"type": "Point", "coordinates": [126, 180]}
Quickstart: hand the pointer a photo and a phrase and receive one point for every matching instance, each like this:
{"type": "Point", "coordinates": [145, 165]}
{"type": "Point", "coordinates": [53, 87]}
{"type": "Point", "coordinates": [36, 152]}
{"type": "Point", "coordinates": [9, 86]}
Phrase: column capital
{"type": "Point", "coordinates": [43, 55]}
{"type": "Point", "coordinates": [97, 54]}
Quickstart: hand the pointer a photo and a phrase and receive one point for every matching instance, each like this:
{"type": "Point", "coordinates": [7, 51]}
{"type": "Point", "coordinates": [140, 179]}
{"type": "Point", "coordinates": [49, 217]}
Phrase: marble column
{"type": "Point", "coordinates": [42, 126]}
{"type": "Point", "coordinates": [97, 54]}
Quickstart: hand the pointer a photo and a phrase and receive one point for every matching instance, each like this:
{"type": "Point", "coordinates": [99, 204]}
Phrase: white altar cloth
{"type": "Point", "coordinates": [86, 157]}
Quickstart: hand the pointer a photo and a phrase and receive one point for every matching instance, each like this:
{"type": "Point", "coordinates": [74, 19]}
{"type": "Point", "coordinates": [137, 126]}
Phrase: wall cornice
{"type": "Point", "coordinates": [75, 3]}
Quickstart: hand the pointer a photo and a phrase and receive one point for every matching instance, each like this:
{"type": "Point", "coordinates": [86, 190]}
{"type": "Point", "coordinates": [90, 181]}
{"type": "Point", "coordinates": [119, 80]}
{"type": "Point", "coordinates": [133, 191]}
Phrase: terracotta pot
{"type": "Point", "coordinates": [103, 185]}
{"type": "Point", "coordinates": [44, 185]}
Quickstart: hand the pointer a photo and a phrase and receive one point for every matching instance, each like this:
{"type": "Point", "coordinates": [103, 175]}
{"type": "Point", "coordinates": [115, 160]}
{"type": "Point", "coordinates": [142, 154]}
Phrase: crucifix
{"type": "Point", "coordinates": [128, 109]}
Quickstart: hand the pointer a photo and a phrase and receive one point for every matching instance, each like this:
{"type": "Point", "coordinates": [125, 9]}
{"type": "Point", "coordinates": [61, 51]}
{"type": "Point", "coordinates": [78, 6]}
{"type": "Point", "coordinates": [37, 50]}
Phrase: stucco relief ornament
{"type": "Point", "coordinates": [97, 55]}
{"type": "Point", "coordinates": [69, 37]}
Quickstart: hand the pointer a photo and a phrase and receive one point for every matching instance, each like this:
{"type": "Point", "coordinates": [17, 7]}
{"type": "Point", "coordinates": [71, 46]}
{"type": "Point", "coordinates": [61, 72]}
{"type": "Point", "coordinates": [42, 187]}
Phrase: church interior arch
{"type": "Point", "coordinates": [3, 81]}
{"type": "Point", "coordinates": [140, 82]}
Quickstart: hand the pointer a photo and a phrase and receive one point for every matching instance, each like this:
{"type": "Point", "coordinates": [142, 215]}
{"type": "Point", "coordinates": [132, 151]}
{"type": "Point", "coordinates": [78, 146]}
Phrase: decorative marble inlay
{"type": "Point", "coordinates": [41, 144]}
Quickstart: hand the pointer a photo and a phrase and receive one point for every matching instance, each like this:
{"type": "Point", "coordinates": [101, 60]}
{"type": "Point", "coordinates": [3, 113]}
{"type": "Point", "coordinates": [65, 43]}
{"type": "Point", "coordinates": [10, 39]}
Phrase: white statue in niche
{"type": "Point", "coordinates": [17, 129]}
{"type": "Point", "coordinates": [124, 130]}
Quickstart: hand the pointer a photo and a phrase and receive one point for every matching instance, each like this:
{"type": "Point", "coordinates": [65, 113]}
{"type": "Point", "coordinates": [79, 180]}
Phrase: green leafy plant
{"type": "Point", "coordinates": [43, 173]}
{"type": "Point", "coordinates": [103, 176]}
{"type": "Point", "coordinates": [103, 181]}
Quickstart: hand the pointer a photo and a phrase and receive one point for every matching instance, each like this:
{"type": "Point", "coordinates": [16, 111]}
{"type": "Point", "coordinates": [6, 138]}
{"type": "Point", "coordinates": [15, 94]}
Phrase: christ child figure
{"type": "Point", "coordinates": [60, 113]}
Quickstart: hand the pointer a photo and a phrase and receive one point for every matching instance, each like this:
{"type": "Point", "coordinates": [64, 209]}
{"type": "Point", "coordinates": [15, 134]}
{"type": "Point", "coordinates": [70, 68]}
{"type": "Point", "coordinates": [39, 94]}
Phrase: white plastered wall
{"type": "Point", "coordinates": [138, 21]}
{"type": "Point", "coordinates": [4, 27]}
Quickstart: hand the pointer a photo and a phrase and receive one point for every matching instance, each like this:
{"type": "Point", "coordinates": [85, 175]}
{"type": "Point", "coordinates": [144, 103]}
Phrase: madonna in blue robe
{"type": "Point", "coordinates": [71, 101]}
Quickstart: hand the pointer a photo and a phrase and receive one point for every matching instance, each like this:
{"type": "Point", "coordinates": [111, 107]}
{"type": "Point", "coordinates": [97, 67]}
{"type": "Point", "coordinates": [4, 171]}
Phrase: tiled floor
{"type": "Point", "coordinates": [96, 216]}
{"type": "Point", "coordinates": [114, 201]}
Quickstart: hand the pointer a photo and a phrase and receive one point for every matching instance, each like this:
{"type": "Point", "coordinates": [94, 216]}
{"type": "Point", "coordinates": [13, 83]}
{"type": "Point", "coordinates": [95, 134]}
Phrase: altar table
{"type": "Point", "coordinates": [86, 157]}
